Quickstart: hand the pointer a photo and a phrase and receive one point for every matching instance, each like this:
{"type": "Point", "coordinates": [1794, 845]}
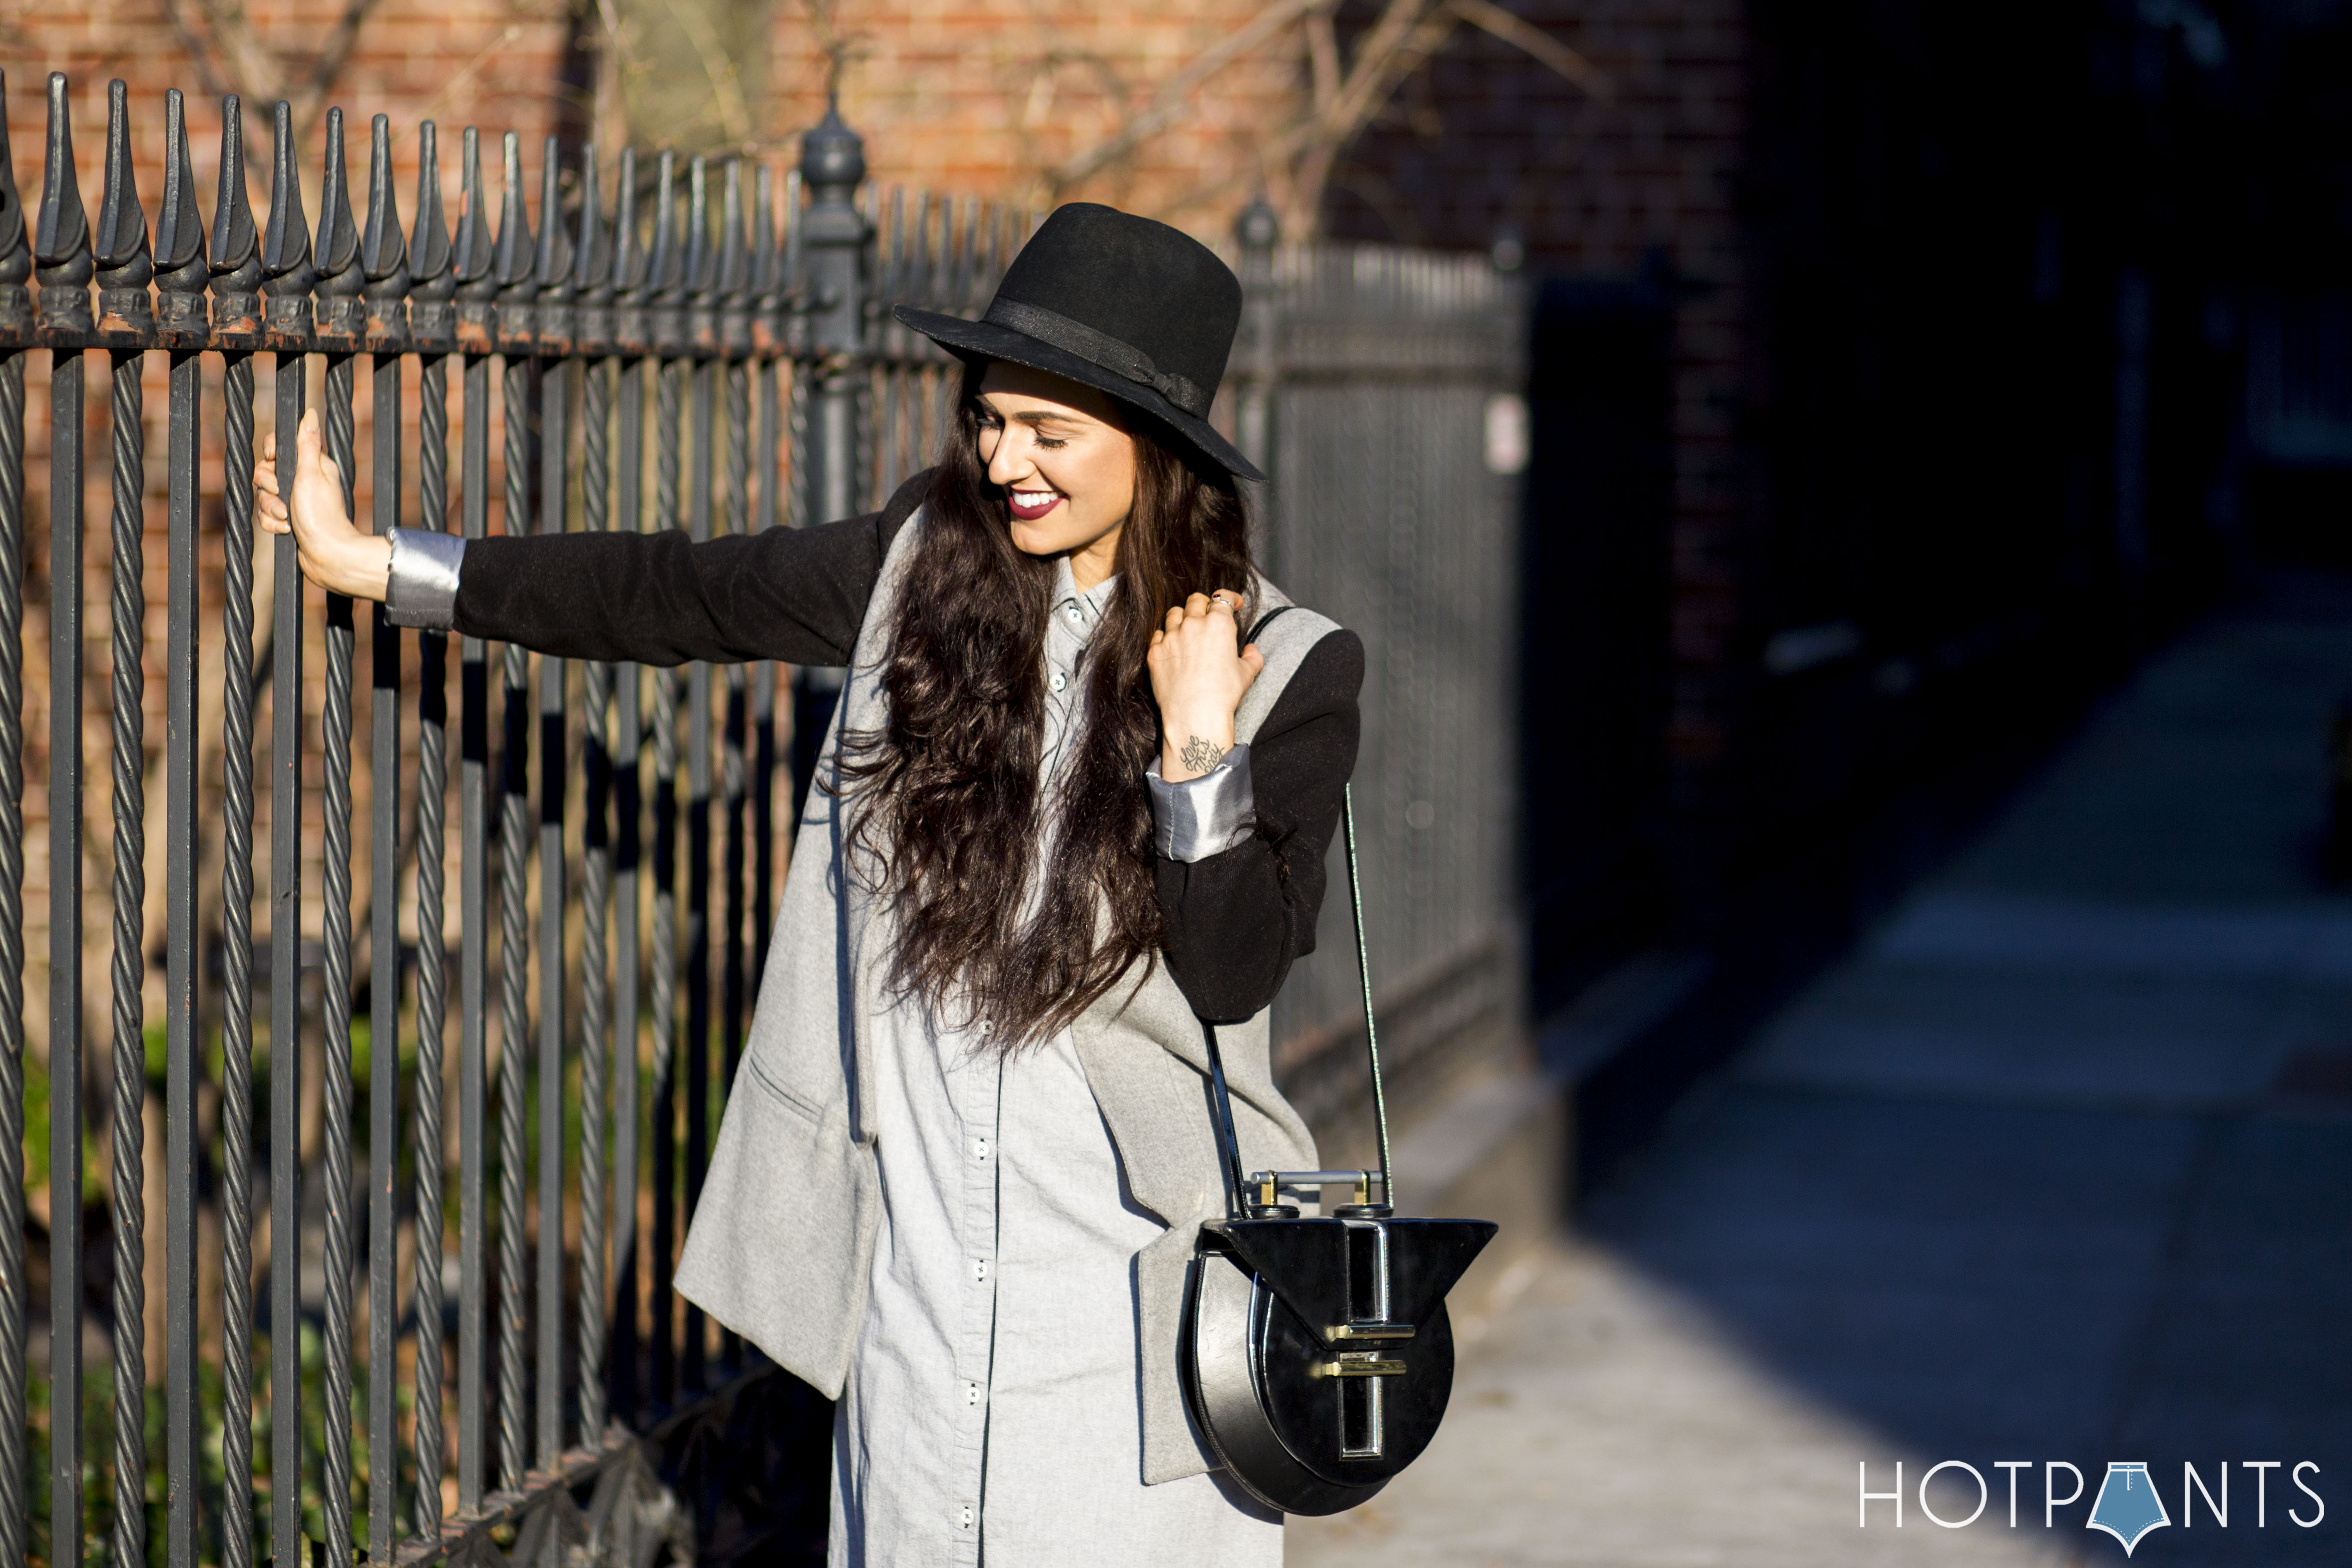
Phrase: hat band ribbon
{"type": "Point", "coordinates": [1057, 330]}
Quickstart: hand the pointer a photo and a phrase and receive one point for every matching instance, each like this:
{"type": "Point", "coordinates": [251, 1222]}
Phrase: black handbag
{"type": "Point", "coordinates": [1315, 1355]}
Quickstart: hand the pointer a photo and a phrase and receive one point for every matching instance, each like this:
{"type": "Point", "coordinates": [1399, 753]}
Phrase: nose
{"type": "Point", "coordinates": [1012, 461]}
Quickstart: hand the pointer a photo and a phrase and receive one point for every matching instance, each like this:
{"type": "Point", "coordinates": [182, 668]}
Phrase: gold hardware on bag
{"type": "Point", "coordinates": [1370, 1331]}
{"type": "Point", "coordinates": [1361, 1363]}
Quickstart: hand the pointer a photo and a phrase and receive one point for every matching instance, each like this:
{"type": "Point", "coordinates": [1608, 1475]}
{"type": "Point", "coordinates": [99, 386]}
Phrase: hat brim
{"type": "Point", "coordinates": [986, 340]}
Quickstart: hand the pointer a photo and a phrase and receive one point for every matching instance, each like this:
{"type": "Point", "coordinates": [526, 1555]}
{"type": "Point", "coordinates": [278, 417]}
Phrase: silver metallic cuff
{"type": "Point", "coordinates": [1206, 816]}
{"type": "Point", "coordinates": [423, 592]}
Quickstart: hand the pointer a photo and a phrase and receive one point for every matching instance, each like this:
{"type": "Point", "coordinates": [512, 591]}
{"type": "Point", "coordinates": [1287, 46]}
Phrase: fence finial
{"type": "Point", "coordinates": [15, 255]}
{"type": "Point", "coordinates": [471, 255]}
{"type": "Point", "coordinates": [628, 256]}
{"type": "Point", "coordinates": [286, 245]}
{"type": "Point", "coordinates": [701, 277]}
{"type": "Point", "coordinates": [182, 273]}
{"type": "Point", "coordinates": [236, 247]}
{"type": "Point", "coordinates": [592, 263]}
{"type": "Point", "coordinates": [517, 287]}
{"type": "Point", "coordinates": [428, 245]}
{"type": "Point", "coordinates": [553, 268]}
{"type": "Point", "coordinates": [665, 270]}
{"type": "Point", "coordinates": [767, 266]}
{"type": "Point", "coordinates": [342, 314]}
{"type": "Point", "coordinates": [119, 246]}
{"type": "Point", "coordinates": [61, 237]}
{"type": "Point", "coordinates": [432, 322]}
{"type": "Point", "coordinates": [664, 276]}
{"type": "Point", "coordinates": [592, 252]}
{"type": "Point", "coordinates": [734, 246]}
{"type": "Point", "coordinates": [551, 271]}
{"type": "Point", "coordinates": [384, 250]}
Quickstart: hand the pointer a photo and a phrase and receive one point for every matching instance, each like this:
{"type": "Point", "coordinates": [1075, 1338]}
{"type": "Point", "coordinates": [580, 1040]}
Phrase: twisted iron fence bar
{"type": "Point", "coordinates": [342, 321]}
{"type": "Point", "coordinates": [384, 260]}
{"type": "Point", "coordinates": [628, 278]}
{"type": "Point", "coordinates": [552, 274]}
{"type": "Point", "coordinates": [15, 324]}
{"type": "Point", "coordinates": [124, 267]}
{"type": "Point", "coordinates": [476, 288]}
{"type": "Point", "coordinates": [63, 268]}
{"type": "Point", "coordinates": [180, 273]}
{"type": "Point", "coordinates": [724, 315]}
{"type": "Point", "coordinates": [236, 264]}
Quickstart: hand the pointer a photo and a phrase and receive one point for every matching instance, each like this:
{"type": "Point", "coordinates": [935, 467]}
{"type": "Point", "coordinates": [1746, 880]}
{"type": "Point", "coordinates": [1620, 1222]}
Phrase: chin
{"type": "Point", "coordinates": [1032, 541]}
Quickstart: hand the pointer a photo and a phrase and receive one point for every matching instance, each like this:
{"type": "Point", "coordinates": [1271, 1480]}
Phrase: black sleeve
{"type": "Point", "coordinates": [797, 595]}
{"type": "Point", "coordinates": [1235, 921]}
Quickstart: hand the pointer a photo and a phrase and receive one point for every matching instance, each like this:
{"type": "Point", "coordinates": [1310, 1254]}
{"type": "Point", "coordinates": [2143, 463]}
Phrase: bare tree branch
{"type": "Point", "coordinates": [1167, 103]}
{"type": "Point", "coordinates": [1522, 34]}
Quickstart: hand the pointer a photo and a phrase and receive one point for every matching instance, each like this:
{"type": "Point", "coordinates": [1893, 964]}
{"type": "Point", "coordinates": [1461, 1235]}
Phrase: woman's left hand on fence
{"type": "Point", "coordinates": [335, 555]}
{"type": "Point", "coordinates": [1198, 681]}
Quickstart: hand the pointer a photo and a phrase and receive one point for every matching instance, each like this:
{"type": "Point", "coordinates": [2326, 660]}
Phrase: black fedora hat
{"type": "Point", "coordinates": [1125, 305]}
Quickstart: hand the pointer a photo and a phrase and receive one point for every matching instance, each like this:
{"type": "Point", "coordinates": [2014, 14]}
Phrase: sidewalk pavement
{"type": "Point", "coordinates": [2057, 1167]}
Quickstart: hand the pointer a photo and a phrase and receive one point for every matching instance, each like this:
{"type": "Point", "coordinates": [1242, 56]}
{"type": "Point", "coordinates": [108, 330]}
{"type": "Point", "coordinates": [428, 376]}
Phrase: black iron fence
{"type": "Point", "coordinates": [440, 1323]}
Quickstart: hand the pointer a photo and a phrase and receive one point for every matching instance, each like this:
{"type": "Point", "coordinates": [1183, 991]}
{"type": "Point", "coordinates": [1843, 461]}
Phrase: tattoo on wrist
{"type": "Point", "coordinates": [1200, 755]}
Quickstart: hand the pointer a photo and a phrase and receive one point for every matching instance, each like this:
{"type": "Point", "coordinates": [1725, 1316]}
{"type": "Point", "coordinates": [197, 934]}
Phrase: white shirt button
{"type": "Point", "coordinates": [980, 1149]}
{"type": "Point", "coordinates": [980, 1270]}
{"type": "Point", "coordinates": [1058, 680]}
{"type": "Point", "coordinates": [971, 1393]}
{"type": "Point", "coordinates": [963, 1516]}
{"type": "Point", "coordinates": [1077, 615]}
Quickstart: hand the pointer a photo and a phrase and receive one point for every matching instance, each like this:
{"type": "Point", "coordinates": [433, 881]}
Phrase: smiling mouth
{"type": "Point", "coordinates": [1031, 505]}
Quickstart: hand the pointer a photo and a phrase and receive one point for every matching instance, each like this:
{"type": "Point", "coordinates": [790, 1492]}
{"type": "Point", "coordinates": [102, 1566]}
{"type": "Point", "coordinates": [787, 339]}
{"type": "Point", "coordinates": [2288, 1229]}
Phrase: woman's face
{"type": "Point", "coordinates": [1064, 457]}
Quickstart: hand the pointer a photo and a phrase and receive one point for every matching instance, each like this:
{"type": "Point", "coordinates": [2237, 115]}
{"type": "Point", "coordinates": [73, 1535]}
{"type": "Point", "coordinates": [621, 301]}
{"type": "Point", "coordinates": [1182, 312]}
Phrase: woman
{"type": "Point", "coordinates": [1069, 810]}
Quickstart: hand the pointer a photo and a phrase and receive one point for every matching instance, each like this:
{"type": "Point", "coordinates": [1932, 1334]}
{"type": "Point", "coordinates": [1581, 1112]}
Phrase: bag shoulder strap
{"type": "Point", "coordinates": [1229, 1140]}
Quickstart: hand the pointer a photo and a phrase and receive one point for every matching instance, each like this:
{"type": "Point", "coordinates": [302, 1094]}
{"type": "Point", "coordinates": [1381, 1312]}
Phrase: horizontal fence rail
{"type": "Point", "coordinates": [413, 1051]}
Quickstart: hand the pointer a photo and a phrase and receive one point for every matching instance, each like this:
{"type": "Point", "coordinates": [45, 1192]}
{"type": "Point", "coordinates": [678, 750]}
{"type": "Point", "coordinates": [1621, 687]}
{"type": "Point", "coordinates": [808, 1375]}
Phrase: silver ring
{"type": "Point", "coordinates": [1219, 599]}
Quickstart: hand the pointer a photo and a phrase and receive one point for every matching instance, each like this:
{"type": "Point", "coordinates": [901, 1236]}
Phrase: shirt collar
{"type": "Point", "coordinates": [1092, 603]}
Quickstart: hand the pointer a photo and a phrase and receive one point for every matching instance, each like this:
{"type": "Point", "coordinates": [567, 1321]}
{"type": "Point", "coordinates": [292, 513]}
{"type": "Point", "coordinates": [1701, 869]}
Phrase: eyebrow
{"type": "Point", "coordinates": [1039, 417]}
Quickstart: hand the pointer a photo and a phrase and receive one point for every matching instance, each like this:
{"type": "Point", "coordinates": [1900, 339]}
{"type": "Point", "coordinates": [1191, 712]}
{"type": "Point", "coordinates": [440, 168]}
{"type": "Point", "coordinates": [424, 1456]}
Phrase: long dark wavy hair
{"type": "Point", "coordinates": [948, 814]}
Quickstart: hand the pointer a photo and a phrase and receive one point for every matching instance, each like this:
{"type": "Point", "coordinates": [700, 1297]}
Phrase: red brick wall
{"type": "Point", "coordinates": [1488, 138]}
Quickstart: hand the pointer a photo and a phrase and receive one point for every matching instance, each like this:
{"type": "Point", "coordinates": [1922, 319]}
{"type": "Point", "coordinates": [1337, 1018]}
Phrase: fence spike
{"type": "Point", "coordinates": [767, 276]}
{"type": "Point", "coordinates": [61, 238]}
{"type": "Point", "coordinates": [285, 244]}
{"type": "Point", "coordinates": [628, 256]}
{"type": "Point", "coordinates": [119, 246]}
{"type": "Point", "coordinates": [384, 250]}
{"type": "Point", "coordinates": [794, 255]}
{"type": "Point", "coordinates": [553, 266]}
{"type": "Point", "coordinates": [701, 278]}
{"type": "Point", "coordinates": [471, 253]}
{"type": "Point", "coordinates": [513, 265]}
{"type": "Point", "coordinates": [13, 254]}
{"type": "Point", "coordinates": [429, 243]}
{"type": "Point", "coordinates": [342, 314]}
{"type": "Point", "coordinates": [664, 275]}
{"type": "Point", "coordinates": [918, 292]}
{"type": "Point", "coordinates": [179, 228]}
{"type": "Point", "coordinates": [591, 250]}
{"type": "Point", "coordinates": [734, 246]}
{"type": "Point", "coordinates": [62, 261]}
{"type": "Point", "coordinates": [235, 244]}
{"type": "Point", "coordinates": [182, 273]}
{"type": "Point", "coordinates": [338, 246]}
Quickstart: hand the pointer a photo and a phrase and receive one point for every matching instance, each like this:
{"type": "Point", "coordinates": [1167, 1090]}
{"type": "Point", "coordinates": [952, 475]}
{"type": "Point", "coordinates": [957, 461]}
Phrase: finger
{"type": "Point", "coordinates": [1253, 661]}
{"type": "Point", "coordinates": [1225, 602]}
{"type": "Point", "coordinates": [1175, 618]}
{"type": "Point", "coordinates": [269, 447]}
{"type": "Point", "coordinates": [1196, 607]}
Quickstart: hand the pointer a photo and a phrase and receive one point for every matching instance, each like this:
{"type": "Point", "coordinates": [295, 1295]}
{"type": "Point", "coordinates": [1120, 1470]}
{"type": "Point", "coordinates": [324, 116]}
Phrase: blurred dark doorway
{"type": "Point", "coordinates": [1596, 587]}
